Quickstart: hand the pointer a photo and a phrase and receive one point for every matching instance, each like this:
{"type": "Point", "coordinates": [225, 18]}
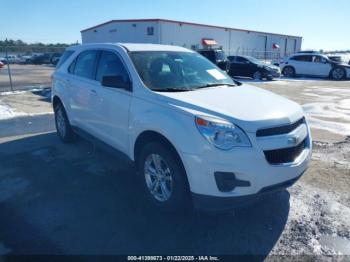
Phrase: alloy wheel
{"type": "Point", "coordinates": [338, 73]}
{"type": "Point", "coordinates": [158, 177]}
{"type": "Point", "coordinates": [61, 122]}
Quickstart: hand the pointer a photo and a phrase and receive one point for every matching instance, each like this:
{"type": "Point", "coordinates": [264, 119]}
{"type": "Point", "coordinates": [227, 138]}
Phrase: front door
{"type": "Point", "coordinates": [111, 104]}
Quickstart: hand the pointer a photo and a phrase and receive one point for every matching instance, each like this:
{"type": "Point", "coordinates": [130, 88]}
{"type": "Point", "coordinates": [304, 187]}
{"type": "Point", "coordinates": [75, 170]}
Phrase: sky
{"type": "Point", "coordinates": [323, 24]}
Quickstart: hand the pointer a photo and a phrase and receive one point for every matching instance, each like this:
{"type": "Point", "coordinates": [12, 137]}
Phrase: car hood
{"type": "Point", "coordinates": [343, 64]}
{"type": "Point", "coordinates": [249, 107]}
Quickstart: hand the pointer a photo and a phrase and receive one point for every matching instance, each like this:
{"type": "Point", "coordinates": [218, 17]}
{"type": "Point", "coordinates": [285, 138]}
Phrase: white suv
{"type": "Point", "coordinates": [314, 64]}
{"type": "Point", "coordinates": [196, 136]}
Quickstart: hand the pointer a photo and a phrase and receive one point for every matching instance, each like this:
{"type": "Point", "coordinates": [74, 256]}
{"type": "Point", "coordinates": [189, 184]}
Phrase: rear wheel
{"type": "Point", "coordinates": [257, 75]}
{"type": "Point", "coordinates": [338, 73]}
{"type": "Point", "coordinates": [288, 71]}
{"type": "Point", "coordinates": [164, 177]}
{"type": "Point", "coordinates": [63, 127]}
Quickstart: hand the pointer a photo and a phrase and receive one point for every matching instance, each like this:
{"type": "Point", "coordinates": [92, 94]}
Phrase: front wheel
{"type": "Point", "coordinates": [338, 73]}
{"type": "Point", "coordinates": [164, 177]}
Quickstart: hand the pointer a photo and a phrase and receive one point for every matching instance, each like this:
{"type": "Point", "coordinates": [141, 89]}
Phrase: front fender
{"type": "Point", "coordinates": [177, 127]}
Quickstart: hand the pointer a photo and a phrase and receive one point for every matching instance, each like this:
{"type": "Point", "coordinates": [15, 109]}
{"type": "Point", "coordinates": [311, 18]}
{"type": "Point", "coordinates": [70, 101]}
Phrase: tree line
{"type": "Point", "coordinates": [11, 45]}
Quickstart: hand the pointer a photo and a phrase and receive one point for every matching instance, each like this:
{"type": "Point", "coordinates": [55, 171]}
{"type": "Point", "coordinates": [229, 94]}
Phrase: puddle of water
{"type": "Point", "coordinates": [338, 244]}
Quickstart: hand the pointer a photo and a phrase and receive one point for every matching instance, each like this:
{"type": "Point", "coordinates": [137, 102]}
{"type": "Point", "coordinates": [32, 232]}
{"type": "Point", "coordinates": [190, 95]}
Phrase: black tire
{"type": "Point", "coordinates": [288, 71]}
{"type": "Point", "coordinates": [257, 75]}
{"type": "Point", "coordinates": [179, 199]}
{"type": "Point", "coordinates": [64, 129]}
{"type": "Point", "coordinates": [338, 73]}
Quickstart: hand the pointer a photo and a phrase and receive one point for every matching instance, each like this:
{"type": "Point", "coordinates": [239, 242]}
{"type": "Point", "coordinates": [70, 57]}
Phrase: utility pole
{"type": "Point", "coordinates": [8, 67]}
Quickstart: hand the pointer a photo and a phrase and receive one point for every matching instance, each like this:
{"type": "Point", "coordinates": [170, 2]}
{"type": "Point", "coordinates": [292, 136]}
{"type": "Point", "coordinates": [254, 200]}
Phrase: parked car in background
{"type": "Point", "coordinates": [195, 135]}
{"type": "Point", "coordinates": [41, 59]}
{"type": "Point", "coordinates": [218, 57]}
{"type": "Point", "coordinates": [313, 64]}
{"type": "Point", "coordinates": [12, 59]}
{"type": "Point", "coordinates": [46, 58]}
{"type": "Point", "coordinates": [251, 67]}
{"type": "Point", "coordinates": [3, 60]}
{"type": "Point", "coordinates": [55, 58]}
{"type": "Point", "coordinates": [2, 64]}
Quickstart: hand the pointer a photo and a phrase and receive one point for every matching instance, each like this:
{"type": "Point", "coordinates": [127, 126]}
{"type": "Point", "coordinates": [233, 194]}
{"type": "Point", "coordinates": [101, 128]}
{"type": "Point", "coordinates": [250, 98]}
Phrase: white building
{"type": "Point", "coordinates": [192, 35]}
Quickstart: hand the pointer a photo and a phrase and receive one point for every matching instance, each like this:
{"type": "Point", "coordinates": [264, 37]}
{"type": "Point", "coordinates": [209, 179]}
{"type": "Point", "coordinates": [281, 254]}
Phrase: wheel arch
{"type": "Point", "coordinates": [149, 136]}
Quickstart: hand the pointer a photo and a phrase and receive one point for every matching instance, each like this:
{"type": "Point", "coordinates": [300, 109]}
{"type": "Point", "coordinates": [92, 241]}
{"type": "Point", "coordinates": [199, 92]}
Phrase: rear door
{"type": "Point", "coordinates": [82, 85]}
{"type": "Point", "coordinates": [110, 107]}
{"type": "Point", "coordinates": [301, 64]}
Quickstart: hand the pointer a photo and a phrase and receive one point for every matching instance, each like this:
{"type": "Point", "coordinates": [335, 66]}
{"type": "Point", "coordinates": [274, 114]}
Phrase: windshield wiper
{"type": "Point", "coordinates": [169, 89]}
{"type": "Point", "coordinates": [213, 85]}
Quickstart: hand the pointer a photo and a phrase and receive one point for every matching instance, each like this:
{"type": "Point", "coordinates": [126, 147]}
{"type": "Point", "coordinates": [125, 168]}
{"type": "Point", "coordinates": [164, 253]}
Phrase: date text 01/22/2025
{"type": "Point", "coordinates": [173, 258]}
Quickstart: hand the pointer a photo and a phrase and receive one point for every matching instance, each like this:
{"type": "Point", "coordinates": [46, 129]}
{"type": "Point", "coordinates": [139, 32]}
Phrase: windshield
{"type": "Point", "coordinates": [254, 60]}
{"type": "Point", "coordinates": [185, 71]}
{"type": "Point", "coordinates": [220, 55]}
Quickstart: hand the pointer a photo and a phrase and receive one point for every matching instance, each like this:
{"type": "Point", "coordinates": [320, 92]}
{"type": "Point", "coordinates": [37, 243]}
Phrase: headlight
{"type": "Point", "coordinates": [221, 133]}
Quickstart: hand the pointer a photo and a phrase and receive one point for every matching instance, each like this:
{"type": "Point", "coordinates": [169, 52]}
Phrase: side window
{"type": "Point", "coordinates": [85, 64]}
{"type": "Point", "coordinates": [72, 66]}
{"type": "Point", "coordinates": [110, 65]}
{"type": "Point", "coordinates": [318, 59]}
{"type": "Point", "coordinates": [303, 58]}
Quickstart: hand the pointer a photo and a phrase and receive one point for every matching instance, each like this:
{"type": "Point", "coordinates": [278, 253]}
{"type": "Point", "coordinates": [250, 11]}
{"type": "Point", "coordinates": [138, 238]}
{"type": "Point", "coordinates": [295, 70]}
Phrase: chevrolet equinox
{"type": "Point", "coordinates": [197, 137]}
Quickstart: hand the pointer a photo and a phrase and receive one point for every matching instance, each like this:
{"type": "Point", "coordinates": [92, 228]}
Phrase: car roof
{"type": "Point", "coordinates": [132, 47]}
{"type": "Point", "coordinates": [309, 54]}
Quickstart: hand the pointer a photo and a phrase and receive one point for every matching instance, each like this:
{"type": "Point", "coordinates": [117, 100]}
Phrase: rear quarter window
{"type": "Point", "coordinates": [64, 58]}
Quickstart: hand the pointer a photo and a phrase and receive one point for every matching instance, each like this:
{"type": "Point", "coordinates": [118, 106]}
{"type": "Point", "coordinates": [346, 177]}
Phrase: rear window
{"type": "Point", "coordinates": [64, 58]}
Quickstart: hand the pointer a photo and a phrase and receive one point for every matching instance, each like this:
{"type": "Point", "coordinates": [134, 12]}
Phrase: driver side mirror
{"type": "Point", "coordinates": [116, 82]}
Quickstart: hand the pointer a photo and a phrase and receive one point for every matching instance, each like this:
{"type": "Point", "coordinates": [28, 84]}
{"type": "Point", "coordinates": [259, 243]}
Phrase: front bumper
{"type": "Point", "coordinates": [215, 204]}
{"type": "Point", "coordinates": [272, 74]}
{"type": "Point", "coordinates": [253, 174]}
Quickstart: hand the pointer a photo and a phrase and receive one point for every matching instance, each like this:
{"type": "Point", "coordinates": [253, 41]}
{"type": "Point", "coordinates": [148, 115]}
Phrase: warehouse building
{"type": "Point", "coordinates": [194, 36]}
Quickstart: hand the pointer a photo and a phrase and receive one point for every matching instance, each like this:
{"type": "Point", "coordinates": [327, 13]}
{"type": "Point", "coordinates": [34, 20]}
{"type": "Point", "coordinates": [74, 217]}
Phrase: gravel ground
{"type": "Point", "coordinates": [26, 76]}
{"type": "Point", "coordinates": [77, 199]}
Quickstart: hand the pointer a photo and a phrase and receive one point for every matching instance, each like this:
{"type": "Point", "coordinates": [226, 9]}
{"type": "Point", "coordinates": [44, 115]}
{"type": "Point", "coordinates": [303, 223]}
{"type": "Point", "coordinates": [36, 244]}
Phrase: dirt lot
{"type": "Point", "coordinates": [76, 199]}
{"type": "Point", "coordinates": [26, 76]}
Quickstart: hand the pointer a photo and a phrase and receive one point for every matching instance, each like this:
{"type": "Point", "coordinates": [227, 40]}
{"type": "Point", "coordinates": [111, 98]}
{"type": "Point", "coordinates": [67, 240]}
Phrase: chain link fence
{"type": "Point", "coordinates": [266, 56]}
{"type": "Point", "coordinates": [27, 67]}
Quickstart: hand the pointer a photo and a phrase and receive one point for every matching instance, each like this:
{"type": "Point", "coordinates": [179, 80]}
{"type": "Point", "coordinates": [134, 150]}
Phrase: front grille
{"type": "Point", "coordinates": [285, 155]}
{"type": "Point", "coordinates": [279, 130]}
